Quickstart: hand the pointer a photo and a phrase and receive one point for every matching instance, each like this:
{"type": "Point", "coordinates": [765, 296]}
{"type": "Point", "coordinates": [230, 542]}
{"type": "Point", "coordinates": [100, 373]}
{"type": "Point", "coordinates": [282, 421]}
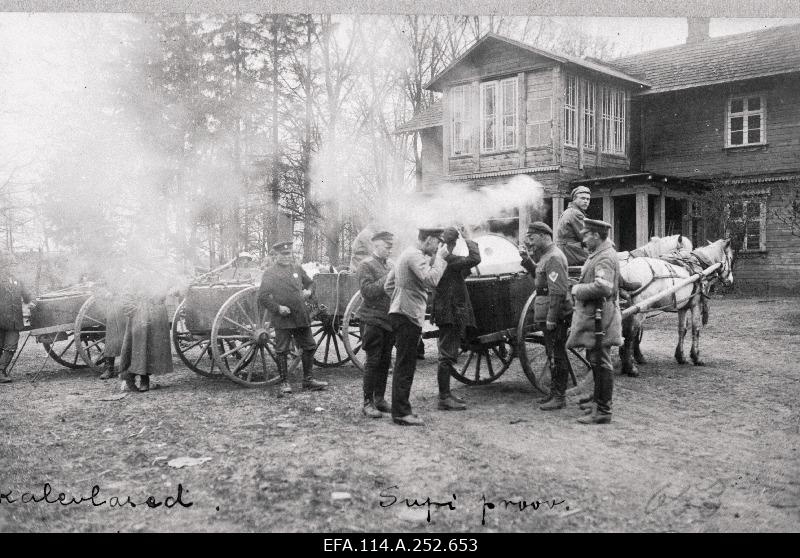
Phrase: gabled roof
{"type": "Point", "coordinates": [763, 53]}
{"type": "Point", "coordinates": [427, 118]}
{"type": "Point", "coordinates": [436, 83]}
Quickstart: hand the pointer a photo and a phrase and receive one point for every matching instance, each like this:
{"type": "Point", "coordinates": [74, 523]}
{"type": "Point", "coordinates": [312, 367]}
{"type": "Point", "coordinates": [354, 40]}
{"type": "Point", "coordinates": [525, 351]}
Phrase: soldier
{"type": "Point", "coordinates": [408, 285]}
{"type": "Point", "coordinates": [362, 246]}
{"type": "Point", "coordinates": [452, 313]}
{"type": "Point", "coordinates": [12, 294]}
{"type": "Point", "coordinates": [597, 322]}
{"type": "Point", "coordinates": [377, 335]}
{"type": "Point", "coordinates": [552, 308]}
{"type": "Point", "coordinates": [284, 289]}
{"type": "Point", "coordinates": [570, 224]}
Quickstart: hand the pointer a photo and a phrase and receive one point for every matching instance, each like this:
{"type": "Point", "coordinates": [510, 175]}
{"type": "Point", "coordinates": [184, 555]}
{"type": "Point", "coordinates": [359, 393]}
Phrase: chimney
{"type": "Point", "coordinates": [698, 29]}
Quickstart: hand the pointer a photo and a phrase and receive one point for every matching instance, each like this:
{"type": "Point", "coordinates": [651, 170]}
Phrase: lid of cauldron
{"type": "Point", "coordinates": [498, 255]}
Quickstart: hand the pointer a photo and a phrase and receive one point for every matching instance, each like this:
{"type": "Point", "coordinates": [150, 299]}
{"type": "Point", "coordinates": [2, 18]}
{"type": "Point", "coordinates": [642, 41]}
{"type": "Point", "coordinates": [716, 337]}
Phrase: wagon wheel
{"type": "Point", "coordinates": [351, 332]}
{"type": "Point", "coordinates": [484, 363]}
{"type": "Point", "coordinates": [533, 355]}
{"type": "Point", "coordinates": [242, 341]}
{"type": "Point", "coordinates": [331, 350]}
{"type": "Point", "coordinates": [90, 333]}
{"type": "Point", "coordinates": [194, 350]}
{"type": "Point", "coordinates": [62, 349]}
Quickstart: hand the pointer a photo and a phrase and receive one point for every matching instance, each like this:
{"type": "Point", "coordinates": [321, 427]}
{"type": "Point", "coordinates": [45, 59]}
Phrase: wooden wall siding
{"type": "Point", "coordinates": [505, 160]}
{"type": "Point", "coordinates": [542, 157]}
{"type": "Point", "coordinates": [496, 59]}
{"type": "Point", "coordinates": [780, 265]}
{"type": "Point", "coordinates": [432, 164]}
{"type": "Point", "coordinates": [463, 165]}
{"type": "Point", "coordinates": [684, 133]}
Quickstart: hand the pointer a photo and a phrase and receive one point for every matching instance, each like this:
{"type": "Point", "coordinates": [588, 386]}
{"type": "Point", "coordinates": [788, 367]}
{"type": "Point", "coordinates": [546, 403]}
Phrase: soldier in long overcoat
{"type": "Point", "coordinates": [12, 294]}
{"type": "Point", "coordinates": [145, 348]}
{"type": "Point", "coordinates": [568, 235]}
{"type": "Point", "coordinates": [284, 288]}
{"type": "Point", "coordinates": [598, 288]}
{"type": "Point", "coordinates": [453, 314]}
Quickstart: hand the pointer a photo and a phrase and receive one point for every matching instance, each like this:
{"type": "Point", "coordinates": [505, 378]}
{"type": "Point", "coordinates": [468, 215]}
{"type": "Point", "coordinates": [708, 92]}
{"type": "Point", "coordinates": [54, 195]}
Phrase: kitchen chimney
{"type": "Point", "coordinates": [698, 29]}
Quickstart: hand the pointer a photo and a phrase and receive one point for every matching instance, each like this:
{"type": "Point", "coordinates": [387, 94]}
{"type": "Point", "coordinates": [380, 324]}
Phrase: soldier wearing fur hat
{"type": "Point", "coordinates": [597, 322]}
{"type": "Point", "coordinates": [568, 230]}
{"type": "Point", "coordinates": [12, 294]}
{"type": "Point", "coordinates": [552, 307]}
{"type": "Point", "coordinates": [284, 288]}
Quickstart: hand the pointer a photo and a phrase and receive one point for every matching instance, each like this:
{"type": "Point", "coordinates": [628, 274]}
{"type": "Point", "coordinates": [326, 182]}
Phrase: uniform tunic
{"type": "Point", "coordinates": [552, 302]}
{"type": "Point", "coordinates": [568, 235]}
{"type": "Point", "coordinates": [283, 286]}
{"type": "Point", "coordinates": [372, 274]}
{"type": "Point", "coordinates": [12, 294]}
{"type": "Point", "coordinates": [451, 303]}
{"type": "Point", "coordinates": [599, 283]}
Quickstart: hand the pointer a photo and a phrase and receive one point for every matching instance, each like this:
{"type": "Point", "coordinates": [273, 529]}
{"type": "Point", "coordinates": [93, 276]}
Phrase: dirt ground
{"type": "Point", "coordinates": [711, 448]}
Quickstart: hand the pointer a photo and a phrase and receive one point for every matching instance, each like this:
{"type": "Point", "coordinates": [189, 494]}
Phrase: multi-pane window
{"type": "Point", "coordinates": [588, 114]}
{"type": "Point", "coordinates": [746, 121]}
{"type": "Point", "coordinates": [571, 112]}
{"type": "Point", "coordinates": [460, 124]}
{"type": "Point", "coordinates": [613, 120]}
{"type": "Point", "coordinates": [747, 222]}
{"type": "Point", "coordinates": [499, 114]}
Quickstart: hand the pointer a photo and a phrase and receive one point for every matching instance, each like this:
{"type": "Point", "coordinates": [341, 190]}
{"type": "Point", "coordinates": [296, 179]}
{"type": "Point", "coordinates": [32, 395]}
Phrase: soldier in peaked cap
{"type": "Point", "coordinates": [597, 322]}
{"type": "Point", "coordinates": [284, 288]}
{"type": "Point", "coordinates": [568, 230]}
{"type": "Point", "coordinates": [377, 336]}
{"type": "Point", "coordinates": [552, 307]}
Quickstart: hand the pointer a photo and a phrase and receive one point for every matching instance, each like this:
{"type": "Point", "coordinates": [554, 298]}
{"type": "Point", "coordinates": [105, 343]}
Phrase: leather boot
{"type": "Point", "coordinates": [144, 383]}
{"type": "Point", "coordinates": [109, 371]}
{"type": "Point", "coordinates": [558, 389]}
{"type": "Point", "coordinates": [283, 372]}
{"type": "Point", "coordinates": [130, 381]}
{"type": "Point", "coordinates": [308, 379]}
{"type": "Point", "coordinates": [603, 394]}
{"type": "Point", "coordinates": [5, 360]}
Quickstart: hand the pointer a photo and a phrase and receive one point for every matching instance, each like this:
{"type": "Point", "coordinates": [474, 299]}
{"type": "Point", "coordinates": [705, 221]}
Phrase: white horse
{"type": "Point", "coordinates": [656, 247]}
{"type": "Point", "coordinates": [657, 275]}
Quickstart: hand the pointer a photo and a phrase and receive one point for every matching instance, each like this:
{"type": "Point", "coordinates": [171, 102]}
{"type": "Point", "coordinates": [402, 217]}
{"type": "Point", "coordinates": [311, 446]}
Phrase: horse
{"type": "Point", "coordinates": [656, 247]}
{"type": "Point", "coordinates": [657, 275]}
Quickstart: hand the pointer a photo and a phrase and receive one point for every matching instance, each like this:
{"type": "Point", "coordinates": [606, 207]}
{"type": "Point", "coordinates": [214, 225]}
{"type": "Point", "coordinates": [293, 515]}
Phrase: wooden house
{"type": "Point", "coordinates": [648, 134]}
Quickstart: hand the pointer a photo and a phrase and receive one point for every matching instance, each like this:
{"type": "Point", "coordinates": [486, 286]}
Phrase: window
{"type": "Point", "coordinates": [747, 223]}
{"type": "Point", "coordinates": [570, 112]}
{"type": "Point", "coordinates": [588, 115]}
{"type": "Point", "coordinates": [539, 121]}
{"type": "Point", "coordinates": [613, 120]}
{"type": "Point", "coordinates": [746, 121]}
{"type": "Point", "coordinates": [499, 114]}
{"type": "Point", "coordinates": [460, 124]}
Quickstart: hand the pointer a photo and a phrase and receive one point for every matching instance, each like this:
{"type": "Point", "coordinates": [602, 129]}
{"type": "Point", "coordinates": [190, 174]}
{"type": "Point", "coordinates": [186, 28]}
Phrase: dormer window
{"type": "Point", "coordinates": [746, 121]}
{"type": "Point", "coordinates": [499, 101]}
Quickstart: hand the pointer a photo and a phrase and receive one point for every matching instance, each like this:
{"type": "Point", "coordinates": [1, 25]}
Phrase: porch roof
{"type": "Point", "coordinates": [644, 178]}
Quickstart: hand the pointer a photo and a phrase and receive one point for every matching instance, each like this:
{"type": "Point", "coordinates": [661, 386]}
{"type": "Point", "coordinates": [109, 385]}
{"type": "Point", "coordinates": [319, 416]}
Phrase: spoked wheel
{"type": "Point", "coordinates": [194, 349]}
{"type": "Point", "coordinates": [351, 332]}
{"type": "Point", "coordinates": [61, 348]}
{"type": "Point", "coordinates": [533, 355]}
{"type": "Point", "coordinates": [242, 341]}
{"type": "Point", "coordinates": [481, 364]}
{"type": "Point", "coordinates": [90, 332]}
{"type": "Point", "coordinates": [331, 350]}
